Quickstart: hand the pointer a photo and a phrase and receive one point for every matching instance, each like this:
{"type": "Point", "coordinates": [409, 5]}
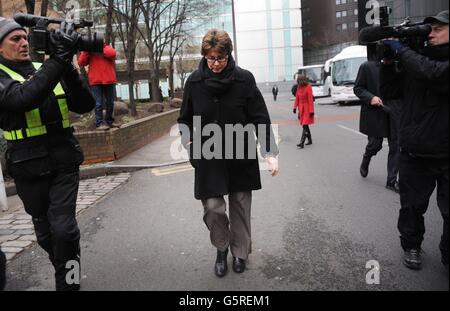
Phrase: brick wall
{"type": "Point", "coordinates": [117, 143]}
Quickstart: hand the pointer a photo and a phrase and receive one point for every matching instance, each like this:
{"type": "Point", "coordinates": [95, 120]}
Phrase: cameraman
{"type": "Point", "coordinates": [423, 85]}
{"type": "Point", "coordinates": [43, 156]}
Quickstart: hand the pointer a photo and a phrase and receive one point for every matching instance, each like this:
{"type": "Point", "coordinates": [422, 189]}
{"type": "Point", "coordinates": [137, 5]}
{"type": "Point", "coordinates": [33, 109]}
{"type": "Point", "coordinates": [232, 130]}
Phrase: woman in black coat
{"type": "Point", "coordinates": [220, 96]}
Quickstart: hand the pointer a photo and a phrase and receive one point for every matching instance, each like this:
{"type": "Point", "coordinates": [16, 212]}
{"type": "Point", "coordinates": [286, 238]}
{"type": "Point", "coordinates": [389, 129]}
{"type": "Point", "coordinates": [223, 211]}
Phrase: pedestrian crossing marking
{"type": "Point", "coordinates": [172, 170]}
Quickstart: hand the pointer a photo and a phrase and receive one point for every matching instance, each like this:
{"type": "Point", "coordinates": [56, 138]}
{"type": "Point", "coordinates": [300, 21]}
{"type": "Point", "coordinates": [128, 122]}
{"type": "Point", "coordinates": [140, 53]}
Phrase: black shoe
{"type": "Point", "coordinates": [238, 265]}
{"type": "Point", "coordinates": [364, 169]}
{"type": "Point", "coordinates": [412, 259]}
{"type": "Point", "coordinates": [308, 136]}
{"type": "Point", "coordinates": [221, 266]}
{"type": "Point", "coordinates": [393, 186]}
{"type": "Point", "coordinates": [301, 145]}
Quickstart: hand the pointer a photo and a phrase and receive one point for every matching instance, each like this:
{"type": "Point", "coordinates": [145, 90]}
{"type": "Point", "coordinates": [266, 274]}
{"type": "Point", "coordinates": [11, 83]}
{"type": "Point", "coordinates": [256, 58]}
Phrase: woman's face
{"type": "Point", "coordinates": [216, 60]}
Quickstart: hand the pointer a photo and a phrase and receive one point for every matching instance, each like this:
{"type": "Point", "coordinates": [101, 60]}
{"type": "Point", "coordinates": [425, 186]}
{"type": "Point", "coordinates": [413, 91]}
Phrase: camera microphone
{"type": "Point", "coordinates": [376, 33]}
{"type": "Point", "coordinates": [29, 20]}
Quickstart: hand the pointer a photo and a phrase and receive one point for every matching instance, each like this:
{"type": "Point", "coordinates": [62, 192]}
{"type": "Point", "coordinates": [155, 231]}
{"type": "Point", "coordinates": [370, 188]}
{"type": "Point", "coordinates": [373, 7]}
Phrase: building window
{"type": "Point", "coordinates": [356, 11]}
{"type": "Point", "coordinates": [339, 27]}
{"type": "Point", "coordinates": [344, 26]}
{"type": "Point", "coordinates": [343, 1]}
{"type": "Point", "coordinates": [356, 24]}
{"type": "Point", "coordinates": [338, 2]}
{"type": "Point", "coordinates": [338, 14]}
{"type": "Point", "coordinates": [344, 13]}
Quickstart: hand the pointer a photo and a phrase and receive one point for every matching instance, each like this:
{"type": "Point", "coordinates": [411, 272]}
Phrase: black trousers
{"type": "Point", "coordinates": [51, 201]}
{"type": "Point", "coordinates": [306, 130]}
{"type": "Point", "coordinates": [418, 179]}
{"type": "Point", "coordinates": [375, 144]}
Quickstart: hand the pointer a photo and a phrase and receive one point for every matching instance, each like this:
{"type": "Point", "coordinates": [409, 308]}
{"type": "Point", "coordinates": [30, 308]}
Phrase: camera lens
{"type": "Point", "coordinates": [91, 43]}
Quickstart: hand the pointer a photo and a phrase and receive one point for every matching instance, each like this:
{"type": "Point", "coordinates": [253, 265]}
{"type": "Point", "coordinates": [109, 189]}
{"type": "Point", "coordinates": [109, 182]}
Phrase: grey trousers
{"type": "Point", "coordinates": [234, 232]}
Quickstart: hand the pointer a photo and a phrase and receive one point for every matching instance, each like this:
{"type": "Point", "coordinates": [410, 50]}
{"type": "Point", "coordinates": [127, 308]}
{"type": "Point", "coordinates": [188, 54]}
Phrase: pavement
{"type": "Point", "coordinates": [98, 181]}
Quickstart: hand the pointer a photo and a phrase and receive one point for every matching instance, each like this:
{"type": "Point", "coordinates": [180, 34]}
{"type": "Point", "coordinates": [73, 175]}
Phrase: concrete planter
{"type": "Point", "coordinates": [114, 144]}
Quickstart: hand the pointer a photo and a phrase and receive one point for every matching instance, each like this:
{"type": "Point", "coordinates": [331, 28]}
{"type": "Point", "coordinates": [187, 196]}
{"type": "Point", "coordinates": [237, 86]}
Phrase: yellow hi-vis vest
{"type": "Point", "coordinates": [33, 117]}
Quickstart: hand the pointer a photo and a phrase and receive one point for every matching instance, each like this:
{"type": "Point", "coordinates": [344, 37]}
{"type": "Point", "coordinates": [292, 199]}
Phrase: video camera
{"type": "Point", "coordinates": [413, 35]}
{"type": "Point", "coordinates": [40, 34]}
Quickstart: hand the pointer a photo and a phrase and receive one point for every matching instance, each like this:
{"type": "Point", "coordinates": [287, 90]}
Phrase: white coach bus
{"type": "Point", "coordinates": [344, 70]}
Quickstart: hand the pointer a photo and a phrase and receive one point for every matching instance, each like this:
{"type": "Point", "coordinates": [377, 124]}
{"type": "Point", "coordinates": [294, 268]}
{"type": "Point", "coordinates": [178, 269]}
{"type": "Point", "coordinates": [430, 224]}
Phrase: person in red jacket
{"type": "Point", "coordinates": [304, 101]}
{"type": "Point", "coordinates": [102, 79]}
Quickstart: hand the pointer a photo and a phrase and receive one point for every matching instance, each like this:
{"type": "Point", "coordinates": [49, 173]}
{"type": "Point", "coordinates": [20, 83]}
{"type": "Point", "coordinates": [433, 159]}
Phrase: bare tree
{"type": "Point", "coordinates": [109, 17]}
{"type": "Point", "coordinates": [44, 7]}
{"type": "Point", "coordinates": [181, 33]}
{"type": "Point", "coordinates": [155, 37]}
{"type": "Point", "coordinates": [185, 65]}
{"type": "Point", "coordinates": [30, 4]}
{"type": "Point", "coordinates": [125, 14]}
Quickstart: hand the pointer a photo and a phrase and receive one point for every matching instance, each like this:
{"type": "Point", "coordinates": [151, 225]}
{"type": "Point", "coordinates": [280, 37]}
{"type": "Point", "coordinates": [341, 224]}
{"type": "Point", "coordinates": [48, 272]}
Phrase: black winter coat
{"type": "Point", "coordinates": [373, 122]}
{"type": "Point", "coordinates": [38, 156]}
{"type": "Point", "coordinates": [423, 86]}
{"type": "Point", "coordinates": [240, 104]}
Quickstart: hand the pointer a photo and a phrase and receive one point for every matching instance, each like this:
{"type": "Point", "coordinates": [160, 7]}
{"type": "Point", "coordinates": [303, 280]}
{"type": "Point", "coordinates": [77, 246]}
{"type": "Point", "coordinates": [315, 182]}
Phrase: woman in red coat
{"type": "Point", "coordinates": [304, 101]}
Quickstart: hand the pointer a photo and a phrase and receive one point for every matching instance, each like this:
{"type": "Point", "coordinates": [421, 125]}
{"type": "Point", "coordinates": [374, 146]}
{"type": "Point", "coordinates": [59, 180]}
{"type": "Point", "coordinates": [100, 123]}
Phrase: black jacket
{"type": "Point", "coordinates": [373, 122]}
{"type": "Point", "coordinates": [36, 156]}
{"type": "Point", "coordinates": [423, 86]}
{"type": "Point", "coordinates": [240, 104]}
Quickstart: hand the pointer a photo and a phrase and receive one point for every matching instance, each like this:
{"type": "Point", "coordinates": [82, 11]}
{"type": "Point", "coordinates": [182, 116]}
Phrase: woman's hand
{"type": "Point", "coordinates": [272, 163]}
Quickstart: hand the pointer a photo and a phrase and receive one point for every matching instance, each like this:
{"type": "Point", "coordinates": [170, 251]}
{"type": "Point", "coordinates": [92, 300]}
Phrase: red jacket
{"type": "Point", "coordinates": [101, 66]}
{"type": "Point", "coordinates": [304, 102]}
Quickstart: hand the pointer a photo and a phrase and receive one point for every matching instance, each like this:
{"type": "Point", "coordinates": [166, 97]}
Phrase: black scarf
{"type": "Point", "coordinates": [24, 68]}
{"type": "Point", "coordinates": [218, 83]}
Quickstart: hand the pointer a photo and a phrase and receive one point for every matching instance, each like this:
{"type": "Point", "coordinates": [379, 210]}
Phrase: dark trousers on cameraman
{"type": "Point", "coordinates": [51, 201]}
{"type": "Point", "coordinates": [418, 179]}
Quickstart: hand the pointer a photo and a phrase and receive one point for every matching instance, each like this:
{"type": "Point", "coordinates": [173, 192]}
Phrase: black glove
{"type": "Point", "coordinates": [294, 111]}
{"type": "Point", "coordinates": [64, 42]}
{"type": "Point", "coordinates": [311, 114]}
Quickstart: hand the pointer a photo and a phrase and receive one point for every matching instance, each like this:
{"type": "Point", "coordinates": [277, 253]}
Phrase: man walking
{"type": "Point", "coordinates": [377, 121]}
{"type": "Point", "coordinates": [275, 92]}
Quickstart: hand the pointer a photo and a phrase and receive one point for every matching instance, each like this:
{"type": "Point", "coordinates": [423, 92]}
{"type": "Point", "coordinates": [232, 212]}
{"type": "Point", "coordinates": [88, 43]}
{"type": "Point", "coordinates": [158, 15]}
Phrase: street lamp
{"type": "Point", "coordinates": [234, 31]}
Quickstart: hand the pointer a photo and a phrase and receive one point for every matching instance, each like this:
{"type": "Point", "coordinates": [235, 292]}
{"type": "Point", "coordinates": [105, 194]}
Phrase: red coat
{"type": "Point", "coordinates": [304, 103]}
{"type": "Point", "coordinates": [101, 66]}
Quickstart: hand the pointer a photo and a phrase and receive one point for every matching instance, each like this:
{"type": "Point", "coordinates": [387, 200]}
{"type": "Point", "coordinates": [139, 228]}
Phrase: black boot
{"type": "Point", "coordinates": [301, 145]}
{"type": "Point", "coordinates": [364, 169]}
{"type": "Point", "coordinates": [238, 265]}
{"type": "Point", "coordinates": [221, 266]}
{"type": "Point", "coordinates": [308, 136]}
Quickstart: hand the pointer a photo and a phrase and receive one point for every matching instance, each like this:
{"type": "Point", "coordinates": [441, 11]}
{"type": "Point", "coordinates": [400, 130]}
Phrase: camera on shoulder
{"type": "Point", "coordinates": [39, 37]}
{"type": "Point", "coordinates": [413, 35]}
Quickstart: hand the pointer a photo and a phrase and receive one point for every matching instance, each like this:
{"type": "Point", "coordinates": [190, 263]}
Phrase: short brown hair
{"type": "Point", "coordinates": [302, 80]}
{"type": "Point", "coordinates": [217, 39]}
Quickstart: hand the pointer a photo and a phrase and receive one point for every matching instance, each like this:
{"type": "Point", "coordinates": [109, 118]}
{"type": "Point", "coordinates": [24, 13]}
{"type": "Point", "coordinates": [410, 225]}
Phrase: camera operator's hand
{"type": "Point", "coordinates": [394, 45]}
{"type": "Point", "coordinates": [64, 41]}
